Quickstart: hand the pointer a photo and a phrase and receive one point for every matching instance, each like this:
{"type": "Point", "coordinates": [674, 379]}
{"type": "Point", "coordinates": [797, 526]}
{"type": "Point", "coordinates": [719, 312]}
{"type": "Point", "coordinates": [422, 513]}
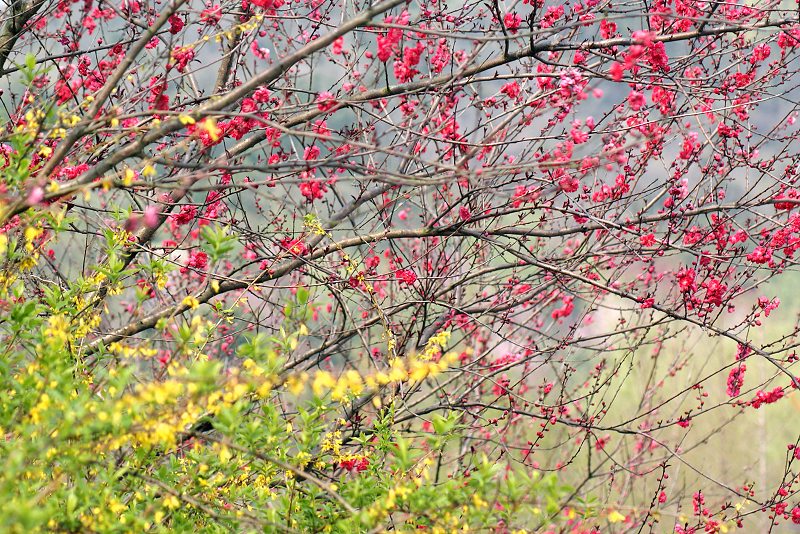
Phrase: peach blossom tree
{"type": "Point", "coordinates": [316, 266]}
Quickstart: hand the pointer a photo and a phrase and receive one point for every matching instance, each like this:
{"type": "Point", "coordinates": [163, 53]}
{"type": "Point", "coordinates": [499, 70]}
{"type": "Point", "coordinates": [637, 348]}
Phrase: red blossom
{"type": "Point", "coordinates": [337, 47]}
{"type": "Point", "coordinates": [566, 309]}
{"type": "Point", "coordinates": [388, 43]}
{"type": "Point", "coordinates": [636, 100]}
{"type": "Point", "coordinates": [197, 260]}
{"type": "Point", "coordinates": [760, 255]}
{"type": "Point", "coordinates": [184, 216]}
{"type": "Point", "coordinates": [511, 89]}
{"type": "Point", "coordinates": [267, 5]}
{"type": "Point", "coordinates": [768, 305]}
{"type": "Point", "coordinates": [512, 22]}
{"type": "Point", "coordinates": [296, 247]}
{"type": "Point", "coordinates": [181, 57]}
{"type": "Point", "coordinates": [796, 515]}
{"type": "Point", "coordinates": [736, 380]}
{"type": "Point", "coordinates": [766, 397]}
{"type": "Point", "coordinates": [313, 189]}
{"type": "Point", "coordinates": [176, 24]}
{"type": "Point", "coordinates": [211, 15]}
{"type": "Point", "coordinates": [355, 464]}
{"type": "Point", "coordinates": [405, 276]}
{"type": "Point", "coordinates": [325, 101]}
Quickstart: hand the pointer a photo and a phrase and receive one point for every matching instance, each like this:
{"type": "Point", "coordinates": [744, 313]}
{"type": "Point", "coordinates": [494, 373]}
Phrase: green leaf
{"type": "Point", "coordinates": [302, 295]}
{"type": "Point", "coordinates": [218, 242]}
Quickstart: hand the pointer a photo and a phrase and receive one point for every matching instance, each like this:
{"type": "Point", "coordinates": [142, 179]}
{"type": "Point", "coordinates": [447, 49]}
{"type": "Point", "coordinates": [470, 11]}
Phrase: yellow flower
{"type": "Point", "coordinates": [116, 507]}
{"type": "Point", "coordinates": [615, 517]}
{"type": "Point", "coordinates": [214, 131]}
{"type": "Point", "coordinates": [323, 381]}
{"type": "Point", "coordinates": [128, 177]}
{"type": "Point", "coordinates": [160, 279]}
{"type": "Point", "coordinates": [296, 383]}
{"type": "Point", "coordinates": [172, 502]}
{"type": "Point", "coordinates": [31, 233]}
{"type": "Point", "coordinates": [398, 372]}
{"type": "Point", "coordinates": [57, 330]}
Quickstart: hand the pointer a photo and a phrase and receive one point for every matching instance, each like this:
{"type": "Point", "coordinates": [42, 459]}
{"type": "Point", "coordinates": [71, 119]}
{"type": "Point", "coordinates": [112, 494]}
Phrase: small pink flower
{"type": "Point", "coordinates": [260, 53]}
{"type": "Point", "coordinates": [512, 22]}
{"type": "Point", "coordinates": [325, 101]}
{"type": "Point", "coordinates": [636, 100]}
{"type": "Point", "coordinates": [211, 15]}
{"type": "Point", "coordinates": [337, 46]}
{"type": "Point", "coordinates": [151, 216]}
{"type": "Point", "coordinates": [35, 196]}
{"type": "Point", "coordinates": [617, 71]}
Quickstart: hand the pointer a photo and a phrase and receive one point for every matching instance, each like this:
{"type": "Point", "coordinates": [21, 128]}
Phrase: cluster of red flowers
{"type": "Point", "coordinates": [766, 397]}
{"type": "Point", "coordinates": [405, 276]}
{"type": "Point", "coordinates": [355, 464]}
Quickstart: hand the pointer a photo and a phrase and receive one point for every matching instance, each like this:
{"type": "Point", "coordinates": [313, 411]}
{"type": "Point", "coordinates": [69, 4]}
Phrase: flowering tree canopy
{"type": "Point", "coordinates": [315, 266]}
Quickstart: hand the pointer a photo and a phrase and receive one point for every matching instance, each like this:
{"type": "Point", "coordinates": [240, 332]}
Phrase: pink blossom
{"type": "Point", "coordinates": [636, 100]}
{"type": "Point", "coordinates": [336, 48]}
{"type": "Point", "coordinates": [760, 255]}
{"type": "Point", "coordinates": [325, 101]}
{"type": "Point", "coordinates": [258, 52]}
{"type": "Point", "coordinates": [197, 260]}
{"type": "Point", "coordinates": [151, 216]}
{"type": "Point", "coordinates": [211, 15]}
{"type": "Point", "coordinates": [35, 196]}
{"type": "Point", "coordinates": [512, 21]}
